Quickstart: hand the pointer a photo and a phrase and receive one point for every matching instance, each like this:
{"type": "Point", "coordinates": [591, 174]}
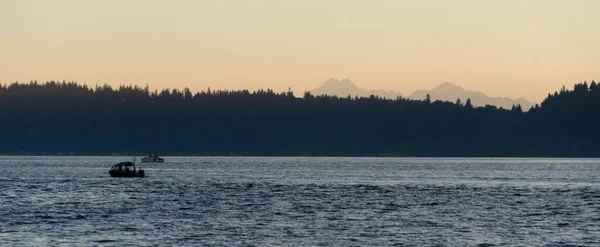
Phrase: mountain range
{"type": "Point", "coordinates": [345, 87]}
{"type": "Point", "coordinates": [446, 91]}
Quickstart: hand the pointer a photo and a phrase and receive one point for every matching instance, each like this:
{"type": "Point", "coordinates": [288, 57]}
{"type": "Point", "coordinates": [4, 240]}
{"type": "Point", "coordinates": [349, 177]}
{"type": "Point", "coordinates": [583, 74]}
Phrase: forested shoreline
{"type": "Point", "coordinates": [71, 118]}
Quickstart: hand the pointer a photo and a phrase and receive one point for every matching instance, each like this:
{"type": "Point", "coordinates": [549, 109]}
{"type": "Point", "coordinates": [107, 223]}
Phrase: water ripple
{"type": "Point", "coordinates": [62, 201]}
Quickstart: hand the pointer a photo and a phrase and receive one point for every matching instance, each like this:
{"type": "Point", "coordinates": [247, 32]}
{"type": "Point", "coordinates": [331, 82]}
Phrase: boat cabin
{"type": "Point", "coordinates": [152, 158]}
{"type": "Point", "coordinates": [125, 169]}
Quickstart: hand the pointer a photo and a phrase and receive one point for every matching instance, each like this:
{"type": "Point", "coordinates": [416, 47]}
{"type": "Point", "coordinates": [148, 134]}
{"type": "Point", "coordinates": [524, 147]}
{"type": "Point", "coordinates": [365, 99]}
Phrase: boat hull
{"type": "Point", "coordinates": [147, 160]}
{"type": "Point", "coordinates": [130, 174]}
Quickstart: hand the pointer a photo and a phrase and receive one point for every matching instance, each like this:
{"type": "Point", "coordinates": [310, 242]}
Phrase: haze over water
{"type": "Point", "coordinates": [301, 202]}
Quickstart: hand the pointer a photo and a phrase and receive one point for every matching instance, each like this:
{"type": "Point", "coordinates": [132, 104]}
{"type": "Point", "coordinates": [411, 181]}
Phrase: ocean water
{"type": "Point", "coordinates": [224, 201]}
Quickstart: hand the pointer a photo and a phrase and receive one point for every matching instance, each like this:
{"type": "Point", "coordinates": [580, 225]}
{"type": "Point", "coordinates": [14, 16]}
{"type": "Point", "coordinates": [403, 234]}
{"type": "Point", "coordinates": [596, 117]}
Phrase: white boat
{"type": "Point", "coordinates": [152, 158]}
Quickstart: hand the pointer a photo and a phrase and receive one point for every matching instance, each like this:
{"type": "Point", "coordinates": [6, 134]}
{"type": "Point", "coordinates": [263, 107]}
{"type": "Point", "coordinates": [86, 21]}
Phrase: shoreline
{"type": "Point", "coordinates": [306, 156]}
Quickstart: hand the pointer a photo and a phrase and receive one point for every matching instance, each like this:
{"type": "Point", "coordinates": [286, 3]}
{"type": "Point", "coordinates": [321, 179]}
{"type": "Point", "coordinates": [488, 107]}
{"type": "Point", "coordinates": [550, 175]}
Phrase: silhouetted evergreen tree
{"type": "Point", "coordinates": [458, 102]}
{"type": "Point", "coordinates": [468, 105]}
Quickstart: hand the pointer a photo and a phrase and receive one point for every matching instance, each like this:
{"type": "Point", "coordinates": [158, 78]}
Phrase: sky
{"type": "Point", "coordinates": [513, 48]}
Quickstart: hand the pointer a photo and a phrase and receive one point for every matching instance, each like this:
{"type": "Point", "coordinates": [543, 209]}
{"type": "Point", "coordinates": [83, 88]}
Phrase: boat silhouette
{"type": "Point", "coordinates": [126, 170]}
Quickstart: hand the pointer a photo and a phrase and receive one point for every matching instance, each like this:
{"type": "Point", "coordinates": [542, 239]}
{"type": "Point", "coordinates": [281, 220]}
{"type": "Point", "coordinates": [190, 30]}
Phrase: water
{"type": "Point", "coordinates": [213, 201]}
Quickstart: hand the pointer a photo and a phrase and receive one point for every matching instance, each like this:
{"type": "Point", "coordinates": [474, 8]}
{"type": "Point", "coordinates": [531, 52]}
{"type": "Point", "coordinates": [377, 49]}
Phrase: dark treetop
{"type": "Point", "coordinates": [68, 118]}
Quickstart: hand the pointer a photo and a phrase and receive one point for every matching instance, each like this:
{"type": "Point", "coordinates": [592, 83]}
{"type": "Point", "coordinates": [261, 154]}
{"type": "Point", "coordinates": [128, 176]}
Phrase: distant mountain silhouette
{"type": "Point", "coordinates": [345, 87]}
{"type": "Point", "coordinates": [449, 91]}
{"type": "Point", "coordinates": [446, 91]}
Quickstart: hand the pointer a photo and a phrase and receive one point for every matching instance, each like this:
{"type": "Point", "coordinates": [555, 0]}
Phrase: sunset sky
{"type": "Point", "coordinates": [514, 48]}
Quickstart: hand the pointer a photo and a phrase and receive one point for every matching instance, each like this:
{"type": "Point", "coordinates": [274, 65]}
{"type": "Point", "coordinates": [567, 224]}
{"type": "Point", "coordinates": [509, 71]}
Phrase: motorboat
{"type": "Point", "coordinates": [126, 170]}
{"type": "Point", "coordinates": [152, 158]}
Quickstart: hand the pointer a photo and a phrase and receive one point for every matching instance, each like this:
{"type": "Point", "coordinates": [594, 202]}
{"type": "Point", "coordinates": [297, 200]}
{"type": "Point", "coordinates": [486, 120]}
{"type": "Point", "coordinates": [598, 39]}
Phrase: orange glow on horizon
{"type": "Point", "coordinates": [501, 48]}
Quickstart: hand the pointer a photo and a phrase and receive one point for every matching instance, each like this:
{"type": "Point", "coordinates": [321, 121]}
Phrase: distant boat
{"type": "Point", "coordinates": [152, 158]}
{"type": "Point", "coordinates": [126, 170]}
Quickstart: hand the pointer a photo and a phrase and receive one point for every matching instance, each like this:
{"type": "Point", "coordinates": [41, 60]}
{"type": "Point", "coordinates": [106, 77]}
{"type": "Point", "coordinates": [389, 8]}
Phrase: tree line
{"type": "Point", "coordinates": [67, 117]}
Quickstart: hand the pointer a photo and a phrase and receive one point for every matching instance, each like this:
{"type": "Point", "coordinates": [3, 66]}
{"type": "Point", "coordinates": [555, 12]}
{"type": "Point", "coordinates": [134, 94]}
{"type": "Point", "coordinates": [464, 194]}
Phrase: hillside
{"type": "Point", "coordinates": [68, 118]}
